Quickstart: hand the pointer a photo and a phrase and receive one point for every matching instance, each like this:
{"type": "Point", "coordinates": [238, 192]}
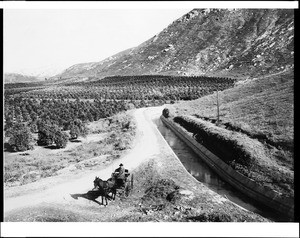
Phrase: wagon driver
{"type": "Point", "coordinates": [120, 174]}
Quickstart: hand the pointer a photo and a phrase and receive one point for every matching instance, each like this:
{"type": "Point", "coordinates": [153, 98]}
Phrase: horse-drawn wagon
{"type": "Point", "coordinates": [114, 185]}
{"type": "Point", "coordinates": [123, 186]}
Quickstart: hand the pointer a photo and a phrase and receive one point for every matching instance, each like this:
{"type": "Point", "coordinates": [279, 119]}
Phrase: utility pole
{"type": "Point", "coordinates": [218, 114]}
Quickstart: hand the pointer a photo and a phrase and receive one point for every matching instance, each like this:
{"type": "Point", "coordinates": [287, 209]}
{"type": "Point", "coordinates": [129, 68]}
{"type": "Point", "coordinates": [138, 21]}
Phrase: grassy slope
{"type": "Point", "coordinates": [260, 107]}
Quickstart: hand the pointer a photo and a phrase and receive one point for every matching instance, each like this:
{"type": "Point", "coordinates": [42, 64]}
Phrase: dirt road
{"type": "Point", "coordinates": [150, 159]}
{"type": "Point", "coordinates": [146, 146]}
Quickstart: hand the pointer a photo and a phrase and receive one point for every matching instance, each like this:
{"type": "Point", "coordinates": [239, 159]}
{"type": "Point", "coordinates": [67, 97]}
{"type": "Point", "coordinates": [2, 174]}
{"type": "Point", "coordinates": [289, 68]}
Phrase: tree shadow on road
{"type": "Point", "coordinates": [90, 195]}
{"type": "Point", "coordinates": [51, 147]}
{"type": "Point", "coordinates": [75, 140]}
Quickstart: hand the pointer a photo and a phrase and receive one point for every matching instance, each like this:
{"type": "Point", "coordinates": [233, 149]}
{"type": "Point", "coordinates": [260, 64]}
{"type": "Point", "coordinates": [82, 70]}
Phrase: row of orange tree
{"type": "Point", "coordinates": [146, 87]}
{"type": "Point", "coordinates": [50, 110]}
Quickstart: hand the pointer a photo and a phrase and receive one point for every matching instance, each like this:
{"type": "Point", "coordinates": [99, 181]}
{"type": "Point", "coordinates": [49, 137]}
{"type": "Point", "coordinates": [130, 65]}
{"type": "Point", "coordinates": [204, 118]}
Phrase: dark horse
{"type": "Point", "coordinates": [105, 187]}
{"type": "Point", "coordinates": [101, 188]}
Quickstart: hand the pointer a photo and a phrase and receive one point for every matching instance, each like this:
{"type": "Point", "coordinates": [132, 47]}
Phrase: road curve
{"type": "Point", "coordinates": [146, 146]}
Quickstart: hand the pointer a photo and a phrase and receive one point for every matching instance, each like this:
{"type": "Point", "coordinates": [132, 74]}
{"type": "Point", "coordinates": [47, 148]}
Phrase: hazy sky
{"type": "Point", "coordinates": [53, 38]}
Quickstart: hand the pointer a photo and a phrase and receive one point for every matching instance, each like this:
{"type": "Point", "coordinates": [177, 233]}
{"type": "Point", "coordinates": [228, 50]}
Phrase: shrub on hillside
{"type": "Point", "coordinates": [50, 133]}
{"type": "Point", "coordinates": [74, 132]}
{"type": "Point", "coordinates": [61, 139]}
{"type": "Point", "coordinates": [21, 138]}
{"type": "Point", "coordinates": [166, 112]}
{"type": "Point", "coordinates": [159, 191]}
{"type": "Point", "coordinates": [228, 149]}
{"type": "Point", "coordinates": [78, 128]}
{"type": "Point", "coordinates": [211, 217]}
{"type": "Point", "coordinates": [46, 132]}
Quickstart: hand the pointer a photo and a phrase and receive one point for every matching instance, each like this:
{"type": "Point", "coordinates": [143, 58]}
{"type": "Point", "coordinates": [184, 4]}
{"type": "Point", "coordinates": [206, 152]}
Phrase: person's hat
{"type": "Point", "coordinates": [121, 165]}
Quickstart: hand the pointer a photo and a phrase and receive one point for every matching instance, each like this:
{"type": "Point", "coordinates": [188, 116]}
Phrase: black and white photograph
{"type": "Point", "coordinates": [147, 115]}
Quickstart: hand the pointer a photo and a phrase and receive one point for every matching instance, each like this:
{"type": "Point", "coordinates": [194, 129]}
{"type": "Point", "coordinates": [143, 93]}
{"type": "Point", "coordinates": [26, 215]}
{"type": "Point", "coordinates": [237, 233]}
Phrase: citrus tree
{"type": "Point", "coordinates": [21, 138]}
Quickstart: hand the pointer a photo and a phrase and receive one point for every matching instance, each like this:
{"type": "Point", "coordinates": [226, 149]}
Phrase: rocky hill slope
{"type": "Point", "coordinates": [237, 43]}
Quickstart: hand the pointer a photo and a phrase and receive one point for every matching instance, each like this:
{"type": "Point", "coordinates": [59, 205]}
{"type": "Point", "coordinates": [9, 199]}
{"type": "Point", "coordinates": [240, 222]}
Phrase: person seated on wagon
{"type": "Point", "coordinates": [120, 175]}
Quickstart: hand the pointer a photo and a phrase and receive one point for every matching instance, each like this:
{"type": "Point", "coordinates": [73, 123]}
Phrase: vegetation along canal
{"type": "Point", "coordinates": [199, 170]}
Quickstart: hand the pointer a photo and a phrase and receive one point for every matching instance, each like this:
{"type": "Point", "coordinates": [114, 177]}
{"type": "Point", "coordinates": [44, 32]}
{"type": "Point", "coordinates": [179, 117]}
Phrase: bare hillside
{"type": "Point", "coordinates": [237, 43]}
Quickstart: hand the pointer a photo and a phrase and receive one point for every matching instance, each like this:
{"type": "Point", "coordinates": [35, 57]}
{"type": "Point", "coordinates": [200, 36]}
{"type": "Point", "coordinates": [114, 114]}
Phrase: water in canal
{"type": "Point", "coordinates": [196, 167]}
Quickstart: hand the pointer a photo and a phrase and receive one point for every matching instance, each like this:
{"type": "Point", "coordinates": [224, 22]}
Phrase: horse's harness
{"type": "Point", "coordinates": [104, 185]}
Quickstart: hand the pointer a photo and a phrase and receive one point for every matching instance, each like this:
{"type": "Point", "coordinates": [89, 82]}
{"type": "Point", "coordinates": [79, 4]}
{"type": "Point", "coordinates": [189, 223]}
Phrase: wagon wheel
{"type": "Point", "coordinates": [126, 190]}
{"type": "Point", "coordinates": [129, 186]}
{"type": "Point", "coordinates": [121, 192]}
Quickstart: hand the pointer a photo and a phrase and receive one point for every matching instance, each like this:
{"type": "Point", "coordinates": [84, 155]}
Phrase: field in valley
{"type": "Point", "coordinates": [258, 113]}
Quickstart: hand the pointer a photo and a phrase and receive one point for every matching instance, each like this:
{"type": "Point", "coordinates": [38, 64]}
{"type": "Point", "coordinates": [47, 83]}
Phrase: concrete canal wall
{"type": "Point", "coordinates": [263, 195]}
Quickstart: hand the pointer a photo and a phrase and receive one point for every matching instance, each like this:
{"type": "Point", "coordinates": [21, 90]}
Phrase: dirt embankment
{"type": "Point", "coordinates": [163, 189]}
{"type": "Point", "coordinates": [255, 134]}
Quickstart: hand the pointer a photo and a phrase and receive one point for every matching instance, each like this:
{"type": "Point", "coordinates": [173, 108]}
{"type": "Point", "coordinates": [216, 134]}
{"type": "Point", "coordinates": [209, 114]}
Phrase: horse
{"type": "Point", "coordinates": [105, 187]}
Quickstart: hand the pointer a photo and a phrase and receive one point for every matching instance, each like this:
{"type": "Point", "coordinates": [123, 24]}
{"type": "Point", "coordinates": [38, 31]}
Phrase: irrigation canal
{"type": "Point", "coordinates": [199, 170]}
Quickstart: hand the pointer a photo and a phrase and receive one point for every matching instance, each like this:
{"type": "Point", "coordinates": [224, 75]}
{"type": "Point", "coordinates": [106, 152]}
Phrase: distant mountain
{"type": "Point", "coordinates": [19, 78]}
{"type": "Point", "coordinates": [237, 43]}
{"type": "Point", "coordinates": [41, 72]}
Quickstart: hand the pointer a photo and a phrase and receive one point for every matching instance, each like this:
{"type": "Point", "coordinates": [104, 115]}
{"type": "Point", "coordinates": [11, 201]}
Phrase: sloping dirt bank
{"type": "Point", "coordinates": [163, 189]}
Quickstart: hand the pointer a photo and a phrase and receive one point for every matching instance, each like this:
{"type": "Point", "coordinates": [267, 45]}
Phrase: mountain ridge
{"type": "Point", "coordinates": [20, 78]}
{"type": "Point", "coordinates": [238, 43]}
